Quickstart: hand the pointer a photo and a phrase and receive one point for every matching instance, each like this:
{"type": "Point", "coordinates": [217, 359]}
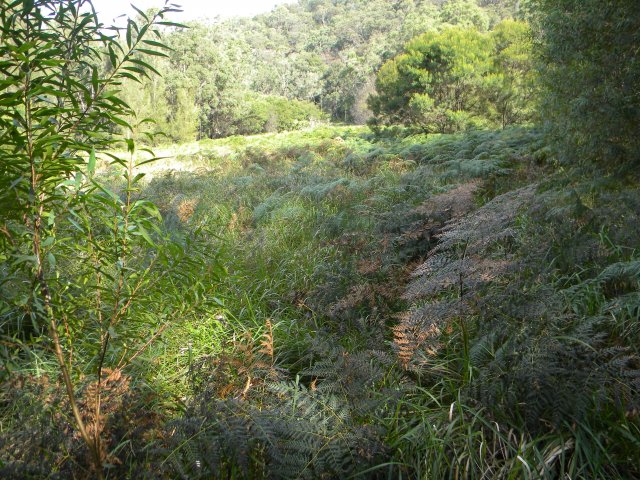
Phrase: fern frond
{"type": "Point", "coordinates": [489, 224]}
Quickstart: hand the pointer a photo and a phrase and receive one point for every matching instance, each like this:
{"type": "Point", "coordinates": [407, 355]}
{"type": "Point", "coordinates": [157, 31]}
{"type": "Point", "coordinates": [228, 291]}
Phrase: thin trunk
{"type": "Point", "coordinates": [38, 209]}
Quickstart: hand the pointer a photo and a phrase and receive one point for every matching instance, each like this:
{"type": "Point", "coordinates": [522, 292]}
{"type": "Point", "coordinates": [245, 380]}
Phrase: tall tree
{"type": "Point", "coordinates": [437, 83]}
{"type": "Point", "coordinates": [591, 67]}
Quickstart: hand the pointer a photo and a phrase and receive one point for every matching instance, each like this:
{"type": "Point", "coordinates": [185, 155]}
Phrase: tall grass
{"type": "Point", "coordinates": [326, 236]}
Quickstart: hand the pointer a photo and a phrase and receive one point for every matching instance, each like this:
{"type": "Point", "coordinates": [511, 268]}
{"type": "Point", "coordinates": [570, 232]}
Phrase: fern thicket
{"type": "Point", "coordinates": [415, 307]}
{"type": "Point", "coordinates": [293, 430]}
{"type": "Point", "coordinates": [549, 346]}
{"type": "Point", "coordinates": [472, 251]}
{"type": "Point", "coordinates": [547, 300]}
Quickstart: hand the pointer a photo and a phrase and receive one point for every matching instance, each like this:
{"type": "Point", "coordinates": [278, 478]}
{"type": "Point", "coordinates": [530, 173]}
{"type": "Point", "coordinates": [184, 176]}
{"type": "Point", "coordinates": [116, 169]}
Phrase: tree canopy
{"type": "Point", "coordinates": [320, 52]}
{"type": "Point", "coordinates": [458, 78]}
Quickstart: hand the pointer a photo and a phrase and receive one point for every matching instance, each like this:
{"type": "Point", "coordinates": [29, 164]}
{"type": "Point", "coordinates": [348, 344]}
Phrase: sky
{"type": "Point", "coordinates": [193, 9]}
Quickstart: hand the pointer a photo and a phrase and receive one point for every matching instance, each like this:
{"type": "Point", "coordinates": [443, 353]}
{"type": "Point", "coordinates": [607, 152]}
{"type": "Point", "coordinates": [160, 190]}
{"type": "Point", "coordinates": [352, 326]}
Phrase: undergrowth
{"type": "Point", "coordinates": [395, 307]}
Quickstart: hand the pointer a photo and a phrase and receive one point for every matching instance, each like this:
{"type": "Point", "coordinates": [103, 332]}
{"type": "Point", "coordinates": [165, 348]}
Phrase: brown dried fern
{"type": "Point", "coordinates": [459, 264]}
{"type": "Point", "coordinates": [420, 329]}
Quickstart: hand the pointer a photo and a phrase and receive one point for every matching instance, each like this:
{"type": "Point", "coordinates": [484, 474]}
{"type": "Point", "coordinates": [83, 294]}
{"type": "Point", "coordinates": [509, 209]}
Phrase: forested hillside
{"type": "Point", "coordinates": [233, 77]}
{"type": "Point", "coordinates": [343, 239]}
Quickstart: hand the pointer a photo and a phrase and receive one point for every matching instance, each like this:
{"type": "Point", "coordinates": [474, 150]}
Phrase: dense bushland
{"type": "Point", "coordinates": [410, 306]}
{"type": "Point", "coordinates": [219, 78]}
{"type": "Point", "coordinates": [331, 302]}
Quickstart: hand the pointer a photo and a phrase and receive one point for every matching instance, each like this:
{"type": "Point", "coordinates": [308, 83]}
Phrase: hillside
{"type": "Point", "coordinates": [311, 60]}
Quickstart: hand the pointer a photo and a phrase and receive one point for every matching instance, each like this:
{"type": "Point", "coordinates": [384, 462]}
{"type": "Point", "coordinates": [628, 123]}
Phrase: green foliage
{"type": "Point", "coordinates": [89, 278]}
{"type": "Point", "coordinates": [465, 13]}
{"type": "Point", "coordinates": [263, 113]}
{"type": "Point", "coordinates": [218, 78]}
{"type": "Point", "coordinates": [512, 85]}
{"type": "Point", "coordinates": [395, 305]}
{"type": "Point", "coordinates": [590, 68]}
{"type": "Point", "coordinates": [298, 432]}
{"type": "Point", "coordinates": [458, 79]}
{"type": "Point", "coordinates": [510, 311]}
{"type": "Point", "coordinates": [434, 84]}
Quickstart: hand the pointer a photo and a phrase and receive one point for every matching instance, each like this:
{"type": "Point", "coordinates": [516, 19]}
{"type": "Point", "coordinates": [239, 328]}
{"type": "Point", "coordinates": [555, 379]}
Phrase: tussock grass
{"type": "Point", "coordinates": [441, 306]}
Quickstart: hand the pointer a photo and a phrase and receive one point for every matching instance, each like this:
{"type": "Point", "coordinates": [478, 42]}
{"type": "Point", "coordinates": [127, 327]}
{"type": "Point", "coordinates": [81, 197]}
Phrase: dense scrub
{"type": "Point", "coordinates": [331, 302]}
{"type": "Point", "coordinates": [410, 306]}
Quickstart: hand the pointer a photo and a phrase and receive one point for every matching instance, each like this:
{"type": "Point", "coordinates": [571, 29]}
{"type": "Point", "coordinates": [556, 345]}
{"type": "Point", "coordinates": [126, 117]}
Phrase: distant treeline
{"type": "Point", "coordinates": [313, 60]}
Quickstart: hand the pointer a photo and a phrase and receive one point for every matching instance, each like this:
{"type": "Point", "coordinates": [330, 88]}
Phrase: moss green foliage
{"type": "Point", "coordinates": [268, 113]}
{"type": "Point", "coordinates": [465, 13]}
{"type": "Point", "coordinates": [457, 79]}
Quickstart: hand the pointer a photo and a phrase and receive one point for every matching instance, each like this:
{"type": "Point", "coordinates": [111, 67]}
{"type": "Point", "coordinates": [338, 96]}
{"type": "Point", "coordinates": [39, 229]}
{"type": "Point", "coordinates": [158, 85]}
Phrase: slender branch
{"type": "Point", "coordinates": [146, 345]}
{"type": "Point", "coordinates": [37, 207]}
{"type": "Point", "coordinates": [106, 336]}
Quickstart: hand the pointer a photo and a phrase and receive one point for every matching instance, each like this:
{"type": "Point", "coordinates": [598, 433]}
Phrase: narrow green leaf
{"type": "Point", "coordinates": [140, 12]}
{"type": "Point", "coordinates": [105, 190]}
{"type": "Point", "coordinates": [144, 64]}
{"type": "Point", "coordinates": [47, 242]}
{"type": "Point", "coordinates": [172, 24]}
{"type": "Point", "coordinates": [25, 259]}
{"type": "Point", "coordinates": [143, 232]}
{"type": "Point", "coordinates": [27, 7]}
{"type": "Point", "coordinates": [152, 52]}
{"type": "Point", "coordinates": [92, 163]}
{"type": "Point", "coordinates": [120, 121]}
{"type": "Point", "coordinates": [218, 301]}
{"type": "Point", "coordinates": [52, 260]}
{"type": "Point", "coordinates": [113, 58]}
{"type": "Point", "coordinates": [137, 70]}
{"type": "Point", "coordinates": [129, 33]}
{"type": "Point", "coordinates": [129, 76]}
{"type": "Point", "coordinates": [94, 79]}
{"type": "Point", "coordinates": [149, 160]}
{"type": "Point", "coordinates": [153, 43]}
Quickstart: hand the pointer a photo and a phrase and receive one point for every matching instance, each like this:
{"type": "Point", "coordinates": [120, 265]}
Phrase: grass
{"type": "Point", "coordinates": [320, 233]}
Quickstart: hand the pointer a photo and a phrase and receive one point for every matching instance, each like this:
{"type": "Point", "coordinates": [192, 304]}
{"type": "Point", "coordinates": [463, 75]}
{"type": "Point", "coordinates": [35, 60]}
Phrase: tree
{"type": "Point", "coordinates": [204, 77]}
{"type": "Point", "coordinates": [512, 83]}
{"type": "Point", "coordinates": [459, 78]}
{"type": "Point", "coordinates": [465, 13]}
{"type": "Point", "coordinates": [591, 70]}
{"type": "Point", "coordinates": [88, 267]}
{"type": "Point", "coordinates": [436, 84]}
